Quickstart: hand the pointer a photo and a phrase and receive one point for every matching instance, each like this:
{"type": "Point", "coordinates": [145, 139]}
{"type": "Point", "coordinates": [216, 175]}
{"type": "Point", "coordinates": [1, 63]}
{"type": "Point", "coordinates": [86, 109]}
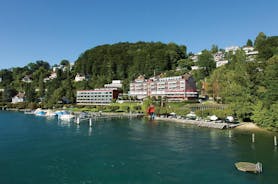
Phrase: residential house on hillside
{"type": "Point", "coordinates": [219, 56]}
{"type": "Point", "coordinates": [62, 67]}
{"type": "Point", "coordinates": [232, 49]}
{"type": "Point", "coordinates": [115, 84]}
{"type": "Point", "coordinates": [20, 97]}
{"type": "Point", "coordinates": [195, 68]}
{"type": "Point", "coordinates": [250, 53]}
{"type": "Point", "coordinates": [79, 78]}
{"type": "Point", "coordinates": [26, 79]}
{"type": "Point", "coordinates": [195, 57]}
{"type": "Point", "coordinates": [175, 88]}
{"type": "Point", "coordinates": [221, 63]}
{"type": "Point", "coordinates": [51, 77]}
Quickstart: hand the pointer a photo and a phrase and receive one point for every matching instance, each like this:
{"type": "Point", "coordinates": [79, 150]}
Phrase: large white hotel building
{"type": "Point", "coordinates": [175, 88]}
{"type": "Point", "coordinates": [100, 96]}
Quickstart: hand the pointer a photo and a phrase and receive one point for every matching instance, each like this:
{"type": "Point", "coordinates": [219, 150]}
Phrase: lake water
{"type": "Point", "coordinates": [38, 150]}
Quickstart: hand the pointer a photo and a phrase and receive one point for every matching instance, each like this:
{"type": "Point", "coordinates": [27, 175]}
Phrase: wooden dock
{"type": "Point", "coordinates": [249, 167]}
{"type": "Point", "coordinates": [104, 116]}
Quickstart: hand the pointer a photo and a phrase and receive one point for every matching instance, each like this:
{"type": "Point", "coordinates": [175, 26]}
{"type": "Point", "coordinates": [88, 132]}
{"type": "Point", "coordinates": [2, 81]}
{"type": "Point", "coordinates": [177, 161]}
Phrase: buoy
{"type": "Point", "coordinates": [230, 134]}
{"type": "Point", "coordinates": [78, 121]}
{"type": "Point", "coordinates": [275, 141]}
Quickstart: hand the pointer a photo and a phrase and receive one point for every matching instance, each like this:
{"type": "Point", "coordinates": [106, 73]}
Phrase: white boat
{"type": "Point", "coordinates": [66, 117]}
{"type": "Point", "coordinates": [230, 119]}
{"type": "Point", "coordinates": [191, 116]}
{"type": "Point", "coordinates": [50, 113]}
{"type": "Point", "coordinates": [213, 118]}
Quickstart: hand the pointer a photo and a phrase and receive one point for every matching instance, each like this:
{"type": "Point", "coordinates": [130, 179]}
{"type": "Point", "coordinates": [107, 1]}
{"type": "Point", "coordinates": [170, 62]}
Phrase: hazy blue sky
{"type": "Point", "coordinates": [53, 30]}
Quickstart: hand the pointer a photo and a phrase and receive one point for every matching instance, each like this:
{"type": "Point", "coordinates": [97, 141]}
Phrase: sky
{"type": "Point", "coordinates": [53, 30]}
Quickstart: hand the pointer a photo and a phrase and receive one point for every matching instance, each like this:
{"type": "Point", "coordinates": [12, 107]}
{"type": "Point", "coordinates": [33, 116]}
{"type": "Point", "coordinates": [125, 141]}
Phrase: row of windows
{"type": "Point", "coordinates": [92, 100]}
{"type": "Point", "coordinates": [92, 93]}
{"type": "Point", "coordinates": [95, 100]}
{"type": "Point", "coordinates": [93, 96]}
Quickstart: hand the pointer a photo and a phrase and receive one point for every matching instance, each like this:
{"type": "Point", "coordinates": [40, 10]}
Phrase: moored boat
{"type": "Point", "coordinates": [66, 117]}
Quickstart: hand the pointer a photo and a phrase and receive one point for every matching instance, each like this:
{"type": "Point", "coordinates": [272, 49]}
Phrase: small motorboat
{"type": "Point", "coordinates": [66, 117]}
{"type": "Point", "coordinates": [249, 167]}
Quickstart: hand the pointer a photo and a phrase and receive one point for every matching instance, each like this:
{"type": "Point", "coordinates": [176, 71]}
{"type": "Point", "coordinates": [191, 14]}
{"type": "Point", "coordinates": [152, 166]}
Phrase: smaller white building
{"type": "Point", "coordinates": [221, 63]}
{"type": "Point", "coordinates": [195, 57]}
{"type": "Point", "coordinates": [114, 84]}
{"type": "Point", "coordinates": [250, 51]}
{"type": "Point", "coordinates": [59, 67]}
{"type": "Point", "coordinates": [218, 56]}
{"type": "Point", "coordinates": [195, 68]}
{"type": "Point", "coordinates": [232, 49]}
{"type": "Point", "coordinates": [26, 79]}
{"type": "Point", "coordinates": [79, 78]}
{"type": "Point", "coordinates": [53, 75]}
{"type": "Point", "coordinates": [18, 98]}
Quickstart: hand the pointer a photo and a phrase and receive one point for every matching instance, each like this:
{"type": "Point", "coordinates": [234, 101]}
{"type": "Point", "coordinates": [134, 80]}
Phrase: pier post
{"type": "Point", "coordinates": [253, 137]}
{"type": "Point", "coordinates": [230, 134]}
{"type": "Point", "coordinates": [275, 141]}
{"type": "Point", "coordinates": [90, 122]}
{"type": "Point", "coordinates": [78, 121]}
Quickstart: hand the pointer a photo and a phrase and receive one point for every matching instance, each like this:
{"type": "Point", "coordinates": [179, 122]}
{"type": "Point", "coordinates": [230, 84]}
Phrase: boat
{"type": "Point", "coordinates": [50, 113]}
{"type": "Point", "coordinates": [84, 115]}
{"type": "Point", "coordinates": [213, 118]}
{"type": "Point", "coordinates": [40, 113]}
{"type": "Point", "coordinates": [29, 112]}
{"type": "Point", "coordinates": [229, 119]}
{"type": "Point", "coordinates": [66, 117]}
{"type": "Point", "coordinates": [191, 116]}
{"type": "Point", "coordinates": [249, 167]}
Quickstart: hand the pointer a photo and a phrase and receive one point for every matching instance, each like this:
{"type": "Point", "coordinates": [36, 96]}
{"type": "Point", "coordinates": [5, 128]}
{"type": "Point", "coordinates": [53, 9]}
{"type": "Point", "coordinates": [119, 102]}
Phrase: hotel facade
{"type": "Point", "coordinates": [176, 88]}
{"type": "Point", "coordinates": [102, 96]}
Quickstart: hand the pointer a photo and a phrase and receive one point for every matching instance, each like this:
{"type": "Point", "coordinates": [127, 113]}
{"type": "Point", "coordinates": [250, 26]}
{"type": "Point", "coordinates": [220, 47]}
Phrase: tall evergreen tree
{"type": "Point", "coordinates": [206, 62]}
{"type": "Point", "coordinates": [249, 43]}
{"type": "Point", "coordinates": [259, 40]}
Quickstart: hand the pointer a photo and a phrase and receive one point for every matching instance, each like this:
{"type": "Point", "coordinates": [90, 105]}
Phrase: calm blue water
{"type": "Point", "coordinates": [37, 150]}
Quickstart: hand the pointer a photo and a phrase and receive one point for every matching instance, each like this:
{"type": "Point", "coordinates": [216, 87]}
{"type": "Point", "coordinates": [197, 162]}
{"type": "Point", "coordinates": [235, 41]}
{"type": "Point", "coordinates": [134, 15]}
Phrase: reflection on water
{"type": "Point", "coordinates": [77, 129]}
{"type": "Point", "coordinates": [62, 123]}
{"type": "Point", "coordinates": [90, 130]}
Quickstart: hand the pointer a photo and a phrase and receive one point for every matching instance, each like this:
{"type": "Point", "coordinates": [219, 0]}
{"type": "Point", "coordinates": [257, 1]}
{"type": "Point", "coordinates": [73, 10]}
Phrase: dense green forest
{"type": "Point", "coordinates": [248, 87]}
{"type": "Point", "coordinates": [126, 61]}
{"type": "Point", "coordinates": [102, 64]}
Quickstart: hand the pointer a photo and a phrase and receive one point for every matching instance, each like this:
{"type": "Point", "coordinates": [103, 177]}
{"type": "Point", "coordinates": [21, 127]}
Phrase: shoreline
{"type": "Point", "coordinates": [249, 126]}
{"type": "Point", "coordinates": [200, 123]}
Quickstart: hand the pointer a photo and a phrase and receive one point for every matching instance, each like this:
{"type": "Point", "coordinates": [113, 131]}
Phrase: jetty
{"type": "Point", "coordinates": [104, 116]}
{"type": "Point", "coordinates": [249, 167]}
